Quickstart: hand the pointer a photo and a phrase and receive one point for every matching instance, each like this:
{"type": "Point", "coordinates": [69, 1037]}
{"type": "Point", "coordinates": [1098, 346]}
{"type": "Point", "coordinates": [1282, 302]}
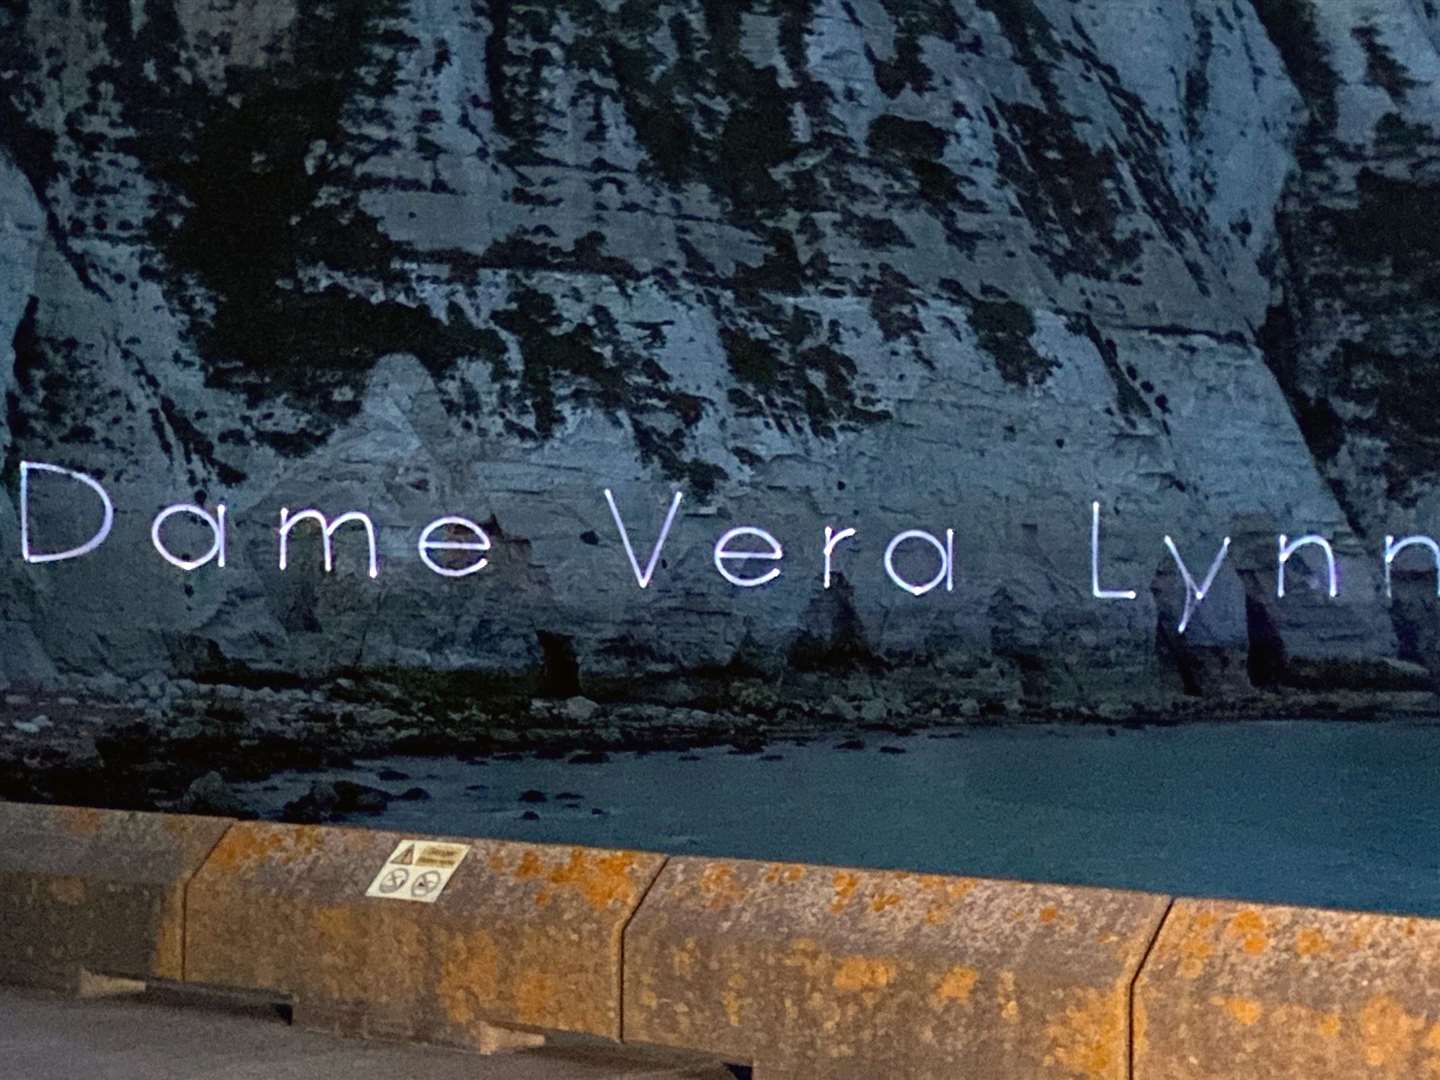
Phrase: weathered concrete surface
{"type": "Point", "coordinates": [1234, 991]}
{"type": "Point", "coordinates": [97, 891]}
{"type": "Point", "coordinates": [818, 972]}
{"type": "Point", "coordinates": [143, 1039]}
{"type": "Point", "coordinates": [524, 935]}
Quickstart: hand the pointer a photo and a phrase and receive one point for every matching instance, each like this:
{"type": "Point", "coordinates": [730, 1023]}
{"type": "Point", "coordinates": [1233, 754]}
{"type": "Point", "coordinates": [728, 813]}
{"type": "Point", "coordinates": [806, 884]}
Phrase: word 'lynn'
{"type": "Point", "coordinates": [723, 555]}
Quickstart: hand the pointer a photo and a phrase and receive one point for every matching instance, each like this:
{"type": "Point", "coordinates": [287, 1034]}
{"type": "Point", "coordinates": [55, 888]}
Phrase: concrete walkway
{"type": "Point", "coordinates": [145, 1037]}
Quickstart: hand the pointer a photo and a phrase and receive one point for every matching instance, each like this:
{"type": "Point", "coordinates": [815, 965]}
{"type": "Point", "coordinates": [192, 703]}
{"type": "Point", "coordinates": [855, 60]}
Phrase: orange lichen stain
{"type": "Point", "coordinates": [249, 845]}
{"type": "Point", "coordinates": [1090, 1040]}
{"type": "Point", "coordinates": [845, 884]}
{"type": "Point", "coordinates": [957, 984]}
{"type": "Point", "coordinates": [1328, 1025]}
{"type": "Point", "coordinates": [1049, 913]}
{"type": "Point", "coordinates": [806, 956]}
{"type": "Point", "coordinates": [1249, 926]}
{"type": "Point", "coordinates": [67, 890]}
{"type": "Point", "coordinates": [945, 893]}
{"type": "Point", "coordinates": [167, 959]}
{"type": "Point", "coordinates": [469, 972]}
{"type": "Point", "coordinates": [1195, 949]}
{"type": "Point", "coordinates": [683, 958]}
{"type": "Point", "coordinates": [784, 873]}
{"type": "Point", "coordinates": [1005, 997]}
{"type": "Point", "coordinates": [863, 973]}
{"type": "Point", "coordinates": [79, 820]}
{"type": "Point", "coordinates": [1388, 1032]}
{"type": "Point", "coordinates": [1432, 1046]}
{"type": "Point", "coordinates": [717, 882]}
{"type": "Point", "coordinates": [881, 903]}
{"type": "Point", "coordinates": [603, 880]}
{"type": "Point", "coordinates": [336, 924]}
{"type": "Point", "coordinates": [535, 994]}
{"type": "Point", "coordinates": [733, 999]}
{"type": "Point", "coordinates": [1309, 941]}
{"type": "Point", "coordinates": [1244, 1011]}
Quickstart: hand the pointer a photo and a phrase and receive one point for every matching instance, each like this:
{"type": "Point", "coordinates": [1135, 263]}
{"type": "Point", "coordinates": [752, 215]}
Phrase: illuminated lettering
{"type": "Point", "coordinates": [945, 574]}
{"type": "Point", "coordinates": [831, 539]}
{"type": "Point", "coordinates": [1195, 594]}
{"type": "Point", "coordinates": [26, 468]}
{"type": "Point", "coordinates": [724, 554]}
{"type": "Point", "coordinates": [643, 578]}
{"type": "Point", "coordinates": [746, 557]}
{"type": "Point", "coordinates": [327, 532]}
{"type": "Point", "coordinates": [1394, 547]}
{"type": "Point", "coordinates": [1288, 547]}
{"type": "Point", "coordinates": [1095, 589]}
{"type": "Point", "coordinates": [216, 521]}
{"type": "Point", "coordinates": [480, 543]}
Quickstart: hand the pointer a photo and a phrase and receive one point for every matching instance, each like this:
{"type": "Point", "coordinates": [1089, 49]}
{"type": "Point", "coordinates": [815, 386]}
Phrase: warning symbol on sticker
{"type": "Point", "coordinates": [392, 881]}
{"type": "Point", "coordinates": [435, 864]}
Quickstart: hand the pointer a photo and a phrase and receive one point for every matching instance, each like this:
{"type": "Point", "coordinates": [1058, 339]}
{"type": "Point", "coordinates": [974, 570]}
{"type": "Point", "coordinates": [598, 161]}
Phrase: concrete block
{"type": "Point", "coordinates": [1236, 991]}
{"type": "Point", "coordinates": [523, 936]}
{"type": "Point", "coordinates": [87, 894]}
{"type": "Point", "coordinates": [811, 972]}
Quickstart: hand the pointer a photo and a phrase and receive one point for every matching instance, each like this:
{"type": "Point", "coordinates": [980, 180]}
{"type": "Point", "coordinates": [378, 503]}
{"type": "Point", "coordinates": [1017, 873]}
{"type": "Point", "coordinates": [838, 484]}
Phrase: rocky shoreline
{"type": "Point", "coordinates": [178, 745]}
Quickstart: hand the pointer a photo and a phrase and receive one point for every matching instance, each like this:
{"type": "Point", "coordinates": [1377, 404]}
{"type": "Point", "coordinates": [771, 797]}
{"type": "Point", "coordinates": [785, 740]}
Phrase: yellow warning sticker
{"type": "Point", "coordinates": [417, 870]}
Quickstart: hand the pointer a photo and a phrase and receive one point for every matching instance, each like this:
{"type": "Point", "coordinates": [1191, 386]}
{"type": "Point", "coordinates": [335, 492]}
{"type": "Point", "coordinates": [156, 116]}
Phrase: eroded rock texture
{"type": "Point", "coordinates": [884, 263]}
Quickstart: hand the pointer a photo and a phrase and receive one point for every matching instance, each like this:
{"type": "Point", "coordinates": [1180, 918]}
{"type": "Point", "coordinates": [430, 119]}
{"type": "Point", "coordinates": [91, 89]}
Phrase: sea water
{"type": "Point", "coordinates": [1326, 813]}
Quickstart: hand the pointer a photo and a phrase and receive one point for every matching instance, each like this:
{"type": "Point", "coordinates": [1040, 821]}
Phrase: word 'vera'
{"type": "Point", "coordinates": [732, 562]}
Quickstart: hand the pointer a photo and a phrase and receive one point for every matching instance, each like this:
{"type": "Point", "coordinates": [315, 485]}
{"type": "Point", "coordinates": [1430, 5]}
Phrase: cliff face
{"type": "Point", "coordinates": [889, 264]}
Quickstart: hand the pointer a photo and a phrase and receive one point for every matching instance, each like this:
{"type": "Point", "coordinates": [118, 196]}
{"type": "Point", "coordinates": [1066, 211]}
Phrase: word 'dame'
{"type": "Point", "coordinates": [747, 557]}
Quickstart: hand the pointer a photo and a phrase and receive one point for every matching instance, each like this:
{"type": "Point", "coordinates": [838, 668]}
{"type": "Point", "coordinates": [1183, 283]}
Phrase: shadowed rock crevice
{"type": "Point", "coordinates": [559, 669]}
{"type": "Point", "coordinates": [1295, 34]}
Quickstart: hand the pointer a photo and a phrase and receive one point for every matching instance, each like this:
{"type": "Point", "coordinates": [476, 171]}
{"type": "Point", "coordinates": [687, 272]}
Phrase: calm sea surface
{"type": "Point", "coordinates": [1322, 813]}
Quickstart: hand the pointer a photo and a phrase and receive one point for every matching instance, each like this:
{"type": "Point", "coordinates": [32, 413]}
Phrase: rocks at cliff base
{"type": "Point", "coordinates": [331, 800]}
{"type": "Point", "coordinates": [211, 794]}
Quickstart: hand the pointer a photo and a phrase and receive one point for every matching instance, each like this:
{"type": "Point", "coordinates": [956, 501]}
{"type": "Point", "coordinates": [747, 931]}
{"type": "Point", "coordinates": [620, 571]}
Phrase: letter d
{"type": "Point", "coordinates": [75, 552]}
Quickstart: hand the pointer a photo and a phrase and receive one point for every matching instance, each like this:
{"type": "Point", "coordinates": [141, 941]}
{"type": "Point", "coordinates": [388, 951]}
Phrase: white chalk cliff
{"type": "Point", "coordinates": [882, 264]}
